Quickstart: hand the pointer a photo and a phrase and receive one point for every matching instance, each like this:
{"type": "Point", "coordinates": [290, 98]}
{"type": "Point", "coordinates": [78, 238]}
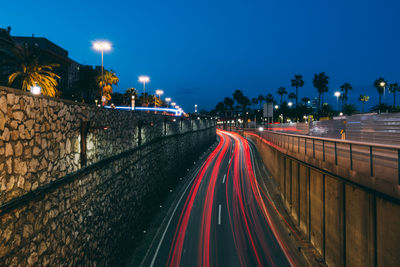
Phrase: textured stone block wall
{"type": "Point", "coordinates": [84, 215]}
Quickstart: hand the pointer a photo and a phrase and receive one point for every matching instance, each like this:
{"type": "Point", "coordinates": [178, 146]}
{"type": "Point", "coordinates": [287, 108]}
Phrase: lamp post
{"type": "Point", "coordinates": [290, 104]}
{"type": "Point", "coordinates": [337, 94]}
{"type": "Point", "coordinates": [173, 104]}
{"type": "Point", "coordinates": [133, 102]}
{"type": "Point", "coordinates": [168, 99]}
{"type": "Point", "coordinates": [159, 93]}
{"type": "Point", "coordinates": [144, 79]}
{"type": "Point", "coordinates": [102, 46]}
{"type": "Point", "coordinates": [383, 84]}
{"type": "Point", "coordinates": [195, 108]}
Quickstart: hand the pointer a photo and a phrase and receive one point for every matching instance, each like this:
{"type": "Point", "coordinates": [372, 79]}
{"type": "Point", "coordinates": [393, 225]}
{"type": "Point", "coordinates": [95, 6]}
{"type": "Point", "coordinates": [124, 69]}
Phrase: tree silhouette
{"type": "Point", "coordinates": [260, 99]}
{"type": "Point", "coordinates": [269, 98]}
{"type": "Point", "coordinates": [281, 91]}
{"type": "Point", "coordinates": [297, 82]}
{"type": "Point", "coordinates": [305, 100]}
{"type": "Point", "coordinates": [393, 88]}
{"type": "Point", "coordinates": [320, 83]}
{"type": "Point", "coordinates": [292, 96]}
{"type": "Point", "coordinates": [345, 88]}
{"type": "Point", "coordinates": [380, 84]}
{"type": "Point", "coordinates": [363, 99]}
{"type": "Point", "coordinates": [254, 101]}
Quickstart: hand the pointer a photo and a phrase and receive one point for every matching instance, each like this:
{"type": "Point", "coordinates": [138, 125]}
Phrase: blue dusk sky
{"type": "Point", "coordinates": [201, 51]}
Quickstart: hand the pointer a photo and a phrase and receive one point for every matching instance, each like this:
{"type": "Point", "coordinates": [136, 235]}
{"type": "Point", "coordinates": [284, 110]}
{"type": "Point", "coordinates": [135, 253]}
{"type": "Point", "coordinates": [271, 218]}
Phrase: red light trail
{"type": "Point", "coordinates": [223, 220]}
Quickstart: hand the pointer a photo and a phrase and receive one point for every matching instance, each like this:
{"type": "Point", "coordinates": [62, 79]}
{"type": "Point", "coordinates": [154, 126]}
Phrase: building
{"type": "Point", "coordinates": [44, 50]}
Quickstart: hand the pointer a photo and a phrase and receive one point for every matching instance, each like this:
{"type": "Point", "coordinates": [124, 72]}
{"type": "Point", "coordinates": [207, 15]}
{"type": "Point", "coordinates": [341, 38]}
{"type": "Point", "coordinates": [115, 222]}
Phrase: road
{"type": "Point", "coordinates": [221, 217]}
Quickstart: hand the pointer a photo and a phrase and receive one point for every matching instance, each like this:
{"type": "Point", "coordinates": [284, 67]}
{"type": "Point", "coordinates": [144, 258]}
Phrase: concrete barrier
{"type": "Point", "coordinates": [349, 224]}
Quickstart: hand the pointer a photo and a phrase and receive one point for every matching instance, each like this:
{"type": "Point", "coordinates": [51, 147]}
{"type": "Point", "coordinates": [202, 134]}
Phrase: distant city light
{"type": "Point", "coordinates": [261, 129]}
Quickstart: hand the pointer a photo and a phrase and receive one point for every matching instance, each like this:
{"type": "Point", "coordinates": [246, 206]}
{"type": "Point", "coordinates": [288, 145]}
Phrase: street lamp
{"type": "Point", "coordinates": [383, 84]}
{"type": "Point", "coordinates": [102, 46]}
{"type": "Point", "coordinates": [168, 99]}
{"type": "Point", "coordinates": [144, 79]}
{"type": "Point", "coordinates": [290, 104]}
{"type": "Point", "coordinates": [159, 93]}
{"type": "Point", "coordinates": [276, 106]}
{"type": "Point", "coordinates": [173, 104]}
{"type": "Point", "coordinates": [337, 94]}
{"type": "Point", "coordinates": [35, 90]}
{"type": "Point", "coordinates": [133, 102]}
{"type": "Point", "coordinates": [195, 108]}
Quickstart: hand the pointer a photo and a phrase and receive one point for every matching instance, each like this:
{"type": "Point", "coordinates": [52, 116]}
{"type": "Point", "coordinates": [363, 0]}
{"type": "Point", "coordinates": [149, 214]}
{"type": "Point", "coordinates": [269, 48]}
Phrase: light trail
{"type": "Point", "coordinates": [197, 235]}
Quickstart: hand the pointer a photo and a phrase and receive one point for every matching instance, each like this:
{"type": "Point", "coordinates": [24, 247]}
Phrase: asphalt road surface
{"type": "Point", "coordinates": [221, 217]}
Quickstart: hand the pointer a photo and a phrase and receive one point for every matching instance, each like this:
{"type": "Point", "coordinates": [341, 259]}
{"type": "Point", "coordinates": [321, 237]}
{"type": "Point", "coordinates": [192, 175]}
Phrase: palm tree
{"type": "Point", "coordinates": [229, 102]}
{"type": "Point", "coordinates": [297, 82]}
{"type": "Point", "coordinates": [292, 96]}
{"type": "Point", "coordinates": [254, 101]}
{"type": "Point", "coordinates": [393, 88]}
{"type": "Point", "coordinates": [32, 74]}
{"type": "Point", "coordinates": [260, 99]}
{"type": "Point", "coordinates": [345, 88]}
{"type": "Point", "coordinates": [305, 100]}
{"type": "Point", "coordinates": [363, 99]}
{"type": "Point", "coordinates": [237, 95]}
{"type": "Point", "coordinates": [269, 98]}
{"type": "Point", "coordinates": [320, 83]}
{"type": "Point", "coordinates": [281, 91]}
{"type": "Point", "coordinates": [110, 78]}
{"type": "Point", "coordinates": [380, 84]}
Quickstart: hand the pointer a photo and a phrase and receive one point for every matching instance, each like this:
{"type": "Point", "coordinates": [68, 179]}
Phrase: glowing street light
{"type": "Point", "coordinates": [383, 84]}
{"type": "Point", "coordinates": [35, 90]}
{"type": "Point", "coordinates": [195, 108]}
{"type": "Point", "coordinates": [167, 99]}
{"type": "Point", "coordinates": [173, 104]}
{"type": "Point", "coordinates": [144, 79]}
{"type": "Point", "coordinates": [337, 94]}
{"type": "Point", "coordinates": [159, 93]}
{"type": "Point", "coordinates": [276, 106]}
{"type": "Point", "coordinates": [290, 104]}
{"type": "Point", "coordinates": [102, 46]}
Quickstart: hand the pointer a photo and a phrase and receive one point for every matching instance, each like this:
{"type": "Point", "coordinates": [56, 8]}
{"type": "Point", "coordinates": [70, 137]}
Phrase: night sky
{"type": "Point", "coordinates": [201, 51]}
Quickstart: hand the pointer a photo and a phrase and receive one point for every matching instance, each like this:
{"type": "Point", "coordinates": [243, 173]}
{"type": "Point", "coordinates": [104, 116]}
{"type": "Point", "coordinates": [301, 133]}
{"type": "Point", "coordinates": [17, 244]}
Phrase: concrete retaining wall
{"type": "Point", "coordinates": [348, 224]}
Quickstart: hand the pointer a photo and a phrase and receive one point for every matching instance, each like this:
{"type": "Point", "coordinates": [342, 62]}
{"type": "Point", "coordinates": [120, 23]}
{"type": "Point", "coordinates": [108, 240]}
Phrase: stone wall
{"type": "Point", "coordinates": [76, 181]}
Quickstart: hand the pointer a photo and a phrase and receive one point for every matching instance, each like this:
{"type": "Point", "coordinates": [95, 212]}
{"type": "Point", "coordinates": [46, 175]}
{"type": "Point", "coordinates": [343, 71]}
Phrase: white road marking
{"type": "Point", "coordinates": [219, 214]}
{"type": "Point", "coordinates": [223, 180]}
{"type": "Point", "coordinates": [173, 213]}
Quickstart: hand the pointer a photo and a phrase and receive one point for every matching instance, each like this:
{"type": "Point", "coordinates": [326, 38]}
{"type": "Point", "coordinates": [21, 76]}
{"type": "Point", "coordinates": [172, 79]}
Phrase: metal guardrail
{"type": "Point", "coordinates": [376, 160]}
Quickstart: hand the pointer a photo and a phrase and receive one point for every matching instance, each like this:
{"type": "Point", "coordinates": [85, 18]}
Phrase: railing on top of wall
{"type": "Point", "coordinates": [378, 162]}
